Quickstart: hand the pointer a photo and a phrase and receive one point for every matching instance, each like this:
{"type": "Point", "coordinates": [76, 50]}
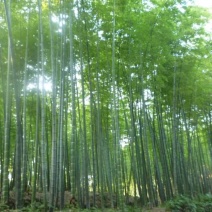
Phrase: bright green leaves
{"type": "Point", "coordinates": [126, 77]}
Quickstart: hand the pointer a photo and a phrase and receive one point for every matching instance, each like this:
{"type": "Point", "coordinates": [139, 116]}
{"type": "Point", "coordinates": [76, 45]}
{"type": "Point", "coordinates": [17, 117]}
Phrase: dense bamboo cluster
{"type": "Point", "coordinates": [104, 98]}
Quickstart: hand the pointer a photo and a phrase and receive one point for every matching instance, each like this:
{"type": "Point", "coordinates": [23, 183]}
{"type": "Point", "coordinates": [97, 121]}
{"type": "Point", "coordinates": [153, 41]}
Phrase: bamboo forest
{"type": "Point", "coordinates": [105, 105]}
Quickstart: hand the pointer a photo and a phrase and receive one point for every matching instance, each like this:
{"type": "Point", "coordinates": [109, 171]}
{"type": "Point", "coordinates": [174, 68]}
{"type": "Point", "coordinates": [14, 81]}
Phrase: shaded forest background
{"type": "Point", "coordinates": [105, 97]}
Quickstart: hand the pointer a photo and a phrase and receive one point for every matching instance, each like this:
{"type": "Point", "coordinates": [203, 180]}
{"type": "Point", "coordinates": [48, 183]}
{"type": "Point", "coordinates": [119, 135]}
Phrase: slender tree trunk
{"type": "Point", "coordinates": [43, 112]}
{"type": "Point", "coordinates": [60, 140]}
{"type": "Point", "coordinates": [174, 135]}
{"type": "Point", "coordinates": [53, 175]}
{"type": "Point", "coordinates": [73, 144]}
{"type": "Point", "coordinates": [18, 157]}
{"type": "Point", "coordinates": [115, 116]}
{"type": "Point", "coordinates": [24, 168]}
{"type": "Point", "coordinates": [5, 189]}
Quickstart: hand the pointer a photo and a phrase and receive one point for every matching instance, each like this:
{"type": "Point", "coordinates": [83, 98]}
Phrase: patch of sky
{"type": "Point", "coordinates": [124, 141]}
{"type": "Point", "coordinates": [45, 82]}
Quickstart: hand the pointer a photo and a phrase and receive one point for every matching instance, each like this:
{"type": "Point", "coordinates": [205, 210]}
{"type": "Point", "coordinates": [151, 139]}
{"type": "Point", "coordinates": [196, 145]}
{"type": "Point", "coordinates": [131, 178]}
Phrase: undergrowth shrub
{"type": "Point", "coordinates": [201, 203]}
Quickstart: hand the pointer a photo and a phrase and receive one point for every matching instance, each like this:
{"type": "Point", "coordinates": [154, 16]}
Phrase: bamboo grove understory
{"type": "Point", "coordinates": [105, 97]}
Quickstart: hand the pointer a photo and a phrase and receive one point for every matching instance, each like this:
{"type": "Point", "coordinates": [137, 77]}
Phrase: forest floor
{"type": "Point", "coordinates": [71, 204]}
{"type": "Point", "coordinates": [202, 202]}
{"type": "Point", "coordinates": [154, 209]}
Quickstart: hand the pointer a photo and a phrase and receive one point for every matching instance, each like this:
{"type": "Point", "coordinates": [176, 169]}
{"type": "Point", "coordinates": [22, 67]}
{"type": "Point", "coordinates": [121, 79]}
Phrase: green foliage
{"type": "Point", "coordinates": [125, 209]}
{"type": "Point", "coordinates": [160, 52]}
{"type": "Point", "coordinates": [4, 207]}
{"type": "Point", "coordinates": [181, 203]}
{"type": "Point", "coordinates": [34, 207]}
{"type": "Point", "coordinates": [202, 203]}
